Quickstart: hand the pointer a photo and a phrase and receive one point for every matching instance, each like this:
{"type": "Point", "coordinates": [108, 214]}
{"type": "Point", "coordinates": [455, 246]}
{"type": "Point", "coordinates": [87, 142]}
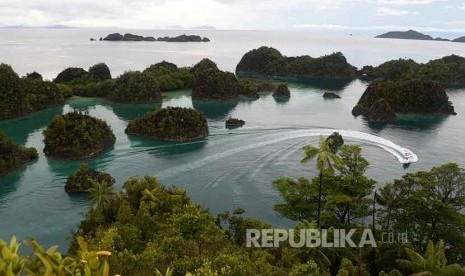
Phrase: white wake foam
{"type": "Point", "coordinates": [404, 155]}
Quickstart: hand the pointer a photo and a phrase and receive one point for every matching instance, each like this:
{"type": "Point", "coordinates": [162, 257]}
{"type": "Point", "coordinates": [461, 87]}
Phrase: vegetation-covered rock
{"type": "Point", "coordinates": [329, 95]}
{"type": "Point", "coordinates": [381, 112]}
{"type": "Point", "coordinates": [214, 84]}
{"type": "Point", "coordinates": [77, 135]}
{"type": "Point", "coordinates": [13, 98]}
{"type": "Point", "coordinates": [184, 38]}
{"type": "Point", "coordinates": [410, 96]}
{"type": "Point", "coordinates": [135, 87]}
{"type": "Point", "coordinates": [171, 124]}
{"type": "Point", "coordinates": [91, 88]}
{"type": "Point", "coordinates": [71, 74]}
{"type": "Point", "coordinates": [21, 96]}
{"type": "Point", "coordinates": [43, 94]}
{"type": "Point", "coordinates": [85, 179]}
{"type": "Point", "coordinates": [204, 64]}
{"type": "Point", "coordinates": [127, 37]}
{"type": "Point", "coordinates": [449, 70]}
{"type": "Point", "coordinates": [233, 123]}
{"type": "Point", "coordinates": [34, 76]}
{"type": "Point", "coordinates": [269, 61]}
{"type": "Point", "coordinates": [282, 91]}
{"type": "Point", "coordinates": [100, 72]}
{"type": "Point", "coordinates": [169, 77]}
{"type": "Point", "coordinates": [13, 156]}
{"type": "Point", "coordinates": [250, 88]}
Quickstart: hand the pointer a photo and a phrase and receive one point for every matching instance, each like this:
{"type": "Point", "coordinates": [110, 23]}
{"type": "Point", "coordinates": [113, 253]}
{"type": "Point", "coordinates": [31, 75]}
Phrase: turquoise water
{"type": "Point", "coordinates": [229, 169]}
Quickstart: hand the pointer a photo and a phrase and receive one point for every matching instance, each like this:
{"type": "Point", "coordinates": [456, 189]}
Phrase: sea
{"type": "Point", "coordinates": [231, 168]}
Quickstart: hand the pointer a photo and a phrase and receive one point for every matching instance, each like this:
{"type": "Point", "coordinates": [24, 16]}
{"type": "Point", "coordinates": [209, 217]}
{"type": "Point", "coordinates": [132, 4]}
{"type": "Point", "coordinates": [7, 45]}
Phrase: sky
{"type": "Point", "coordinates": [337, 15]}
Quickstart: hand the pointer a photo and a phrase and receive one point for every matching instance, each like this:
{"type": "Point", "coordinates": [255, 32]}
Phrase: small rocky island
{"type": "Point", "coordinates": [382, 99]}
{"type": "Point", "coordinates": [77, 135]}
{"type": "Point", "coordinates": [184, 38]}
{"type": "Point", "coordinates": [212, 84]}
{"type": "Point", "coordinates": [282, 91]}
{"type": "Point", "coordinates": [174, 124]}
{"type": "Point", "coordinates": [414, 35]}
{"type": "Point", "coordinates": [329, 95]}
{"type": "Point", "coordinates": [266, 61]}
{"type": "Point", "coordinates": [22, 96]}
{"type": "Point", "coordinates": [84, 180]}
{"type": "Point", "coordinates": [135, 87]}
{"type": "Point", "coordinates": [13, 156]}
{"type": "Point", "coordinates": [460, 39]}
{"type": "Point", "coordinates": [449, 71]}
{"type": "Point", "coordinates": [410, 34]}
{"type": "Point", "coordinates": [133, 37]}
{"type": "Point", "coordinates": [233, 123]}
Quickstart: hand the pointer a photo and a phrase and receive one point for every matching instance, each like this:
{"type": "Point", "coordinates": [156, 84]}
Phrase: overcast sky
{"type": "Point", "coordinates": [363, 15]}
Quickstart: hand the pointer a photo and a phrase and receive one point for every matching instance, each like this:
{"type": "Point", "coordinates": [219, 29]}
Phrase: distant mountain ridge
{"type": "Point", "coordinates": [414, 35]}
{"type": "Point", "coordinates": [410, 34]}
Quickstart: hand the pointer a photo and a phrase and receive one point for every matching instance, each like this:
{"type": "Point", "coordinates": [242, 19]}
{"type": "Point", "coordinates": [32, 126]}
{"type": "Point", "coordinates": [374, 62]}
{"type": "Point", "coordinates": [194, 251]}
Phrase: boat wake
{"type": "Point", "coordinates": [403, 155]}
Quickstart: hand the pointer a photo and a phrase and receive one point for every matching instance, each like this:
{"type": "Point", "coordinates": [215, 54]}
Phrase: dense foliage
{"type": "Point", "coordinates": [335, 141]}
{"type": "Point", "coordinates": [100, 72]}
{"type": "Point", "coordinates": [148, 228]}
{"type": "Point", "coordinates": [77, 135]}
{"type": "Point", "coordinates": [43, 94]}
{"type": "Point", "coordinates": [85, 179]}
{"type": "Point", "coordinates": [135, 87]}
{"type": "Point", "coordinates": [429, 206]}
{"type": "Point", "coordinates": [171, 124]}
{"type": "Point", "coordinates": [34, 76]}
{"type": "Point", "coordinates": [97, 82]}
{"type": "Point", "coordinates": [19, 97]}
{"type": "Point", "coordinates": [169, 77]}
{"type": "Point", "coordinates": [50, 261]}
{"type": "Point", "coordinates": [13, 156]}
{"type": "Point", "coordinates": [449, 70]}
{"type": "Point", "coordinates": [214, 84]}
{"type": "Point", "coordinates": [409, 96]}
{"type": "Point", "coordinates": [71, 74]}
{"type": "Point", "coordinates": [269, 61]}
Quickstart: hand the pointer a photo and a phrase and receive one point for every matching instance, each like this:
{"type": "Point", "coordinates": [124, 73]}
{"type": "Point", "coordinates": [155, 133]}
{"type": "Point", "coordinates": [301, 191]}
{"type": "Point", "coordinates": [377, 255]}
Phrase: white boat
{"type": "Point", "coordinates": [409, 156]}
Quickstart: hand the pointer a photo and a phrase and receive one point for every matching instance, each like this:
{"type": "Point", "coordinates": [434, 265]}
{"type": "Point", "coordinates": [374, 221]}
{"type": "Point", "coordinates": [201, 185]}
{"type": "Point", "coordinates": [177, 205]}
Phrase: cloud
{"type": "Point", "coordinates": [225, 14]}
{"type": "Point", "coordinates": [408, 2]}
{"type": "Point", "coordinates": [392, 12]}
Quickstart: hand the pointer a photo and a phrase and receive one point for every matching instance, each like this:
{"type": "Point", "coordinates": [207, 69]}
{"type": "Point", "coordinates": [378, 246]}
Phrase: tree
{"type": "Point", "coordinates": [100, 195]}
{"type": "Point", "coordinates": [434, 262]}
{"type": "Point", "coordinates": [325, 158]}
{"type": "Point", "coordinates": [428, 206]}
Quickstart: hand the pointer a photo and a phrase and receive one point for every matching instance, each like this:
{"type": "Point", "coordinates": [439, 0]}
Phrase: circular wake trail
{"type": "Point", "coordinates": [404, 155]}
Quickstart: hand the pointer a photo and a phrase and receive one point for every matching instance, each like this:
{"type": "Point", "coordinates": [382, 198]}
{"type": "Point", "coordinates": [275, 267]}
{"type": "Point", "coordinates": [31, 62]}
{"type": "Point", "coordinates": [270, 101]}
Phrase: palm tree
{"type": "Point", "coordinates": [100, 195]}
{"type": "Point", "coordinates": [433, 263]}
{"type": "Point", "coordinates": [326, 160]}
